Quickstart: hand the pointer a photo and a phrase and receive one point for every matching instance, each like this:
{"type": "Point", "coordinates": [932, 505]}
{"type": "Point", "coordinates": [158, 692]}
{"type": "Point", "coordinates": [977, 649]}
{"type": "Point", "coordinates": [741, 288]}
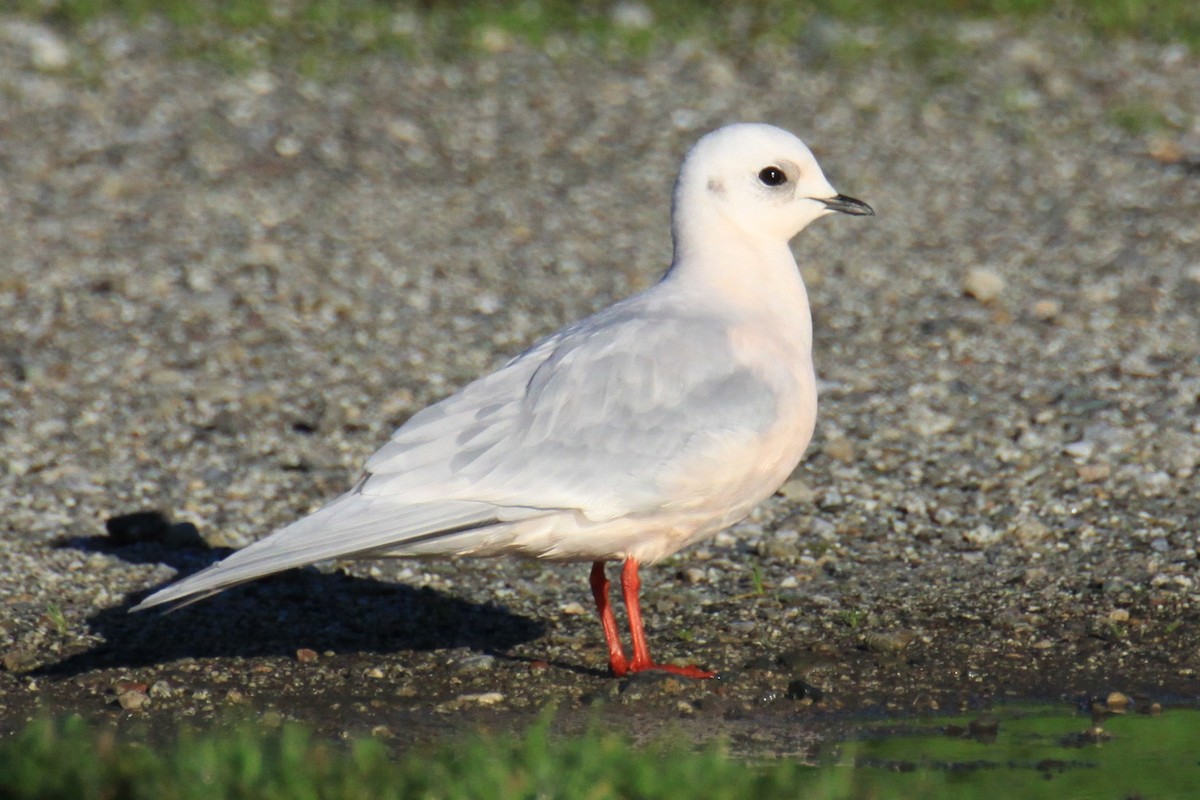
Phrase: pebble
{"type": "Point", "coordinates": [1046, 310]}
{"type": "Point", "coordinates": [1080, 450]}
{"type": "Point", "coordinates": [474, 664]}
{"type": "Point", "coordinates": [840, 449]}
{"type": "Point", "coordinates": [480, 699]}
{"type": "Point", "coordinates": [288, 146]}
{"type": "Point", "coordinates": [47, 50]}
{"type": "Point", "coordinates": [984, 284]}
{"type": "Point", "coordinates": [983, 535]}
{"type": "Point", "coordinates": [1117, 702]}
{"type": "Point", "coordinates": [927, 423]}
{"type": "Point", "coordinates": [133, 698]}
{"type": "Point", "coordinates": [1093, 473]}
{"type": "Point", "coordinates": [633, 16]}
{"type": "Point", "coordinates": [306, 656]}
{"type": "Point", "coordinates": [1029, 531]}
{"type": "Point", "coordinates": [797, 491]}
{"type": "Point", "coordinates": [889, 642]}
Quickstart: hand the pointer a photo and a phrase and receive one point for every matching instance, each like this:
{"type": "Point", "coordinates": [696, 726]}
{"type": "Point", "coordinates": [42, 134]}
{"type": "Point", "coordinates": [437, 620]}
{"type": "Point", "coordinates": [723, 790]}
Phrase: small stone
{"type": "Point", "coordinates": [261, 82]}
{"type": "Point", "coordinates": [840, 449]}
{"type": "Point", "coordinates": [572, 609]}
{"type": "Point", "coordinates": [481, 699]}
{"type": "Point", "coordinates": [1166, 151]}
{"type": "Point", "coordinates": [983, 284]}
{"type": "Point", "coordinates": [405, 131]}
{"type": "Point", "coordinates": [1117, 702]}
{"type": "Point", "coordinates": [945, 516]}
{"type": "Point", "coordinates": [288, 146]}
{"type": "Point", "coordinates": [1080, 450]}
{"type": "Point", "coordinates": [983, 535]}
{"type": "Point", "coordinates": [475, 663]}
{"type": "Point", "coordinates": [693, 575]}
{"type": "Point", "coordinates": [928, 423]}
{"type": "Point", "coordinates": [374, 673]}
{"type": "Point", "coordinates": [160, 689]}
{"type": "Point", "coordinates": [47, 51]}
{"type": "Point", "coordinates": [306, 656]}
{"type": "Point", "coordinates": [889, 642]}
{"type": "Point", "coordinates": [1118, 615]}
{"type": "Point", "coordinates": [1046, 310]}
{"type": "Point", "coordinates": [633, 16]}
{"type": "Point", "coordinates": [1029, 531]}
{"type": "Point", "coordinates": [18, 660]}
{"type": "Point", "coordinates": [1093, 473]}
{"type": "Point", "coordinates": [1154, 484]}
{"type": "Point", "coordinates": [495, 40]}
{"type": "Point", "coordinates": [133, 699]}
{"type": "Point", "coordinates": [797, 491]}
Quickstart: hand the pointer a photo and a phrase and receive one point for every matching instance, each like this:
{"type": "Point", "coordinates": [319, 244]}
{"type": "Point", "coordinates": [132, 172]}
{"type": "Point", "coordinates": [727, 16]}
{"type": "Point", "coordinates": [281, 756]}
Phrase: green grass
{"type": "Point", "coordinates": [262, 29]}
{"type": "Point", "coordinates": [1031, 754]}
{"type": "Point", "coordinates": [67, 760]}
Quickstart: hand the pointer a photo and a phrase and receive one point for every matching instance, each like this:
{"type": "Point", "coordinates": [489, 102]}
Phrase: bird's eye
{"type": "Point", "coordinates": [772, 176]}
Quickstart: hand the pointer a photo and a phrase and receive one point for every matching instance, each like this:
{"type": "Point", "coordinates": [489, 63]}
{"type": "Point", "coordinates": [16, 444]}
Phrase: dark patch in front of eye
{"type": "Point", "coordinates": [716, 186]}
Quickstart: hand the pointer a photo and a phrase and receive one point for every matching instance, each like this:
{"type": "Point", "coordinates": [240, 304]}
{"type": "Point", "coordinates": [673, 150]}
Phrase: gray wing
{"type": "Point", "coordinates": [588, 420]}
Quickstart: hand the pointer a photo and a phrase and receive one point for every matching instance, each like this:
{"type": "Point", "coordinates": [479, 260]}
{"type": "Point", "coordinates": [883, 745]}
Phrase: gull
{"type": "Point", "coordinates": [633, 433]}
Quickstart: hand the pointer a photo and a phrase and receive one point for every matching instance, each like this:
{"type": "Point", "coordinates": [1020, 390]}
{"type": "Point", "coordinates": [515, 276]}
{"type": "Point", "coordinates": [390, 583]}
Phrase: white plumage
{"type": "Point", "coordinates": [628, 435]}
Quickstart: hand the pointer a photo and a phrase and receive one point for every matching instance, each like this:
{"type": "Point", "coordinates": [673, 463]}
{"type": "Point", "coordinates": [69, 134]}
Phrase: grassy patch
{"type": "Point", "coordinates": [1137, 118]}
{"type": "Point", "coordinates": [1030, 754]}
{"type": "Point", "coordinates": [67, 760]}
{"type": "Point", "coordinates": [298, 28]}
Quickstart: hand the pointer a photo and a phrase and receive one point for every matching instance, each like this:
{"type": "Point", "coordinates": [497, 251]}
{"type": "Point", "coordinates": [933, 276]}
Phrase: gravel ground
{"type": "Point", "coordinates": [221, 292]}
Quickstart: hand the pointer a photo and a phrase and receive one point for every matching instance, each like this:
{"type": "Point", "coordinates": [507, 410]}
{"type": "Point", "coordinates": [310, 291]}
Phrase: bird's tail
{"type": "Point", "coordinates": [352, 526]}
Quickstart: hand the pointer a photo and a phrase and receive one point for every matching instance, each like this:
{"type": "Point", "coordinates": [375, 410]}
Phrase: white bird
{"type": "Point", "coordinates": [628, 435]}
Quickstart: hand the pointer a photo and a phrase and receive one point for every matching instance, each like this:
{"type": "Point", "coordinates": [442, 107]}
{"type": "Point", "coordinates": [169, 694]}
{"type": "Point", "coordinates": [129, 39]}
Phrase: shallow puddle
{"type": "Point", "coordinates": [1020, 752]}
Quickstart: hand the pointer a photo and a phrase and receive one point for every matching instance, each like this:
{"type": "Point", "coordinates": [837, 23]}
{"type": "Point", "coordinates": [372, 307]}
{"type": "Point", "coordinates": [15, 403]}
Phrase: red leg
{"type": "Point", "coordinates": [631, 584]}
{"type": "Point", "coordinates": [616, 656]}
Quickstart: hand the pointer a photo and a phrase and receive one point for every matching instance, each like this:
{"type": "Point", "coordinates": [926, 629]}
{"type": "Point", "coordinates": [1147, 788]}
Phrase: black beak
{"type": "Point", "coordinates": [847, 205]}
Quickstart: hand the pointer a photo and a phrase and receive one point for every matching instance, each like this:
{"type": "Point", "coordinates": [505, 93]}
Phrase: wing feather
{"type": "Point", "coordinates": [351, 526]}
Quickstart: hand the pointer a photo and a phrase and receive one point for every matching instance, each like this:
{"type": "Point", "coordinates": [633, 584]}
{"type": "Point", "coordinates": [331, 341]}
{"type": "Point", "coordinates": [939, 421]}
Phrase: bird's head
{"type": "Point", "coordinates": [761, 179]}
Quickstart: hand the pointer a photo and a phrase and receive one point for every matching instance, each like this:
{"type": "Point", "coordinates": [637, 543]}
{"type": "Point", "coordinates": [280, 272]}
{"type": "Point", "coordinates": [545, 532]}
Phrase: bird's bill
{"type": "Point", "coordinates": [846, 205]}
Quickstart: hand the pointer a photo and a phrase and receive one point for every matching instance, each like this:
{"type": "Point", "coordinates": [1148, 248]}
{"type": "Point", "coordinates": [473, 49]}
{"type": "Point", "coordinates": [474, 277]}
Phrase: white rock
{"type": "Point", "coordinates": [983, 284]}
{"type": "Point", "coordinates": [633, 16]}
{"type": "Point", "coordinates": [47, 51]}
{"type": "Point", "coordinates": [1081, 450]}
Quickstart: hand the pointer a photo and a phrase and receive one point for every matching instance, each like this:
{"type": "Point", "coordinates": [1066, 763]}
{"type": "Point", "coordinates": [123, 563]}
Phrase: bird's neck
{"type": "Point", "coordinates": [737, 270]}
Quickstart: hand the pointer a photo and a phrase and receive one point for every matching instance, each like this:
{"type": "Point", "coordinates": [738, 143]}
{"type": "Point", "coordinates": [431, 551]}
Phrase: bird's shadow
{"type": "Point", "coordinates": [278, 615]}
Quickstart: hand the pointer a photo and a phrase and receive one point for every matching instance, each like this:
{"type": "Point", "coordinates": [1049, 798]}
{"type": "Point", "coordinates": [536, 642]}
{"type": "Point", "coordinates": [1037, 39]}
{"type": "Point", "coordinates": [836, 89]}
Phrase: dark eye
{"type": "Point", "coordinates": [772, 176]}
